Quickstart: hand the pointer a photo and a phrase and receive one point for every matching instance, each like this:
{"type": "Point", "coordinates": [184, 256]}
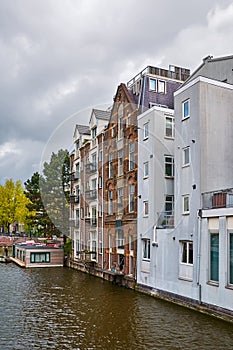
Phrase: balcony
{"type": "Point", "coordinates": [74, 199]}
{"type": "Point", "coordinates": [165, 219]}
{"type": "Point", "coordinates": [91, 195]}
{"type": "Point", "coordinates": [91, 168]}
{"type": "Point", "coordinates": [94, 222]}
{"type": "Point", "coordinates": [217, 199]}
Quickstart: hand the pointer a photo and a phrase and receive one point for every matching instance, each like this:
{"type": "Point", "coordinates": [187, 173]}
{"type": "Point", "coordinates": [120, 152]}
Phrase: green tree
{"type": "Point", "coordinates": [54, 188]}
{"type": "Point", "coordinates": [14, 204]}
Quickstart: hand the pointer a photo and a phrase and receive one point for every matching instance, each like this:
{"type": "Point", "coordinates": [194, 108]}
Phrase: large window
{"type": "Point", "coordinates": [186, 109]}
{"type": "Point", "coordinates": [187, 253]}
{"type": "Point", "coordinates": [120, 162]}
{"type": "Point", "coordinates": [231, 258]}
{"type": "Point", "coordinates": [161, 86]}
{"type": "Point", "coordinates": [131, 198]}
{"type": "Point", "coordinates": [146, 130]}
{"type": "Point", "coordinates": [214, 257]}
{"type": "Point", "coordinates": [146, 249]}
{"type": "Point", "coordinates": [152, 84]}
{"type": "Point", "coordinates": [131, 155]}
{"type": "Point", "coordinates": [169, 131]}
{"type": "Point", "coordinates": [40, 257]}
{"type": "Point", "coordinates": [110, 165]}
{"type": "Point", "coordinates": [169, 166]}
{"type": "Point", "coordinates": [186, 204]}
{"type": "Point", "coordinates": [146, 169]}
{"type": "Point", "coordinates": [186, 156]}
{"type": "Point", "coordinates": [110, 202]}
{"type": "Point", "coordinates": [120, 200]}
{"type": "Point", "coordinates": [120, 239]}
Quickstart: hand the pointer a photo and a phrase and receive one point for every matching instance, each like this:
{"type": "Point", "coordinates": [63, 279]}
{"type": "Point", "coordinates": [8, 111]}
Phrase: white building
{"type": "Point", "coordinates": [193, 261]}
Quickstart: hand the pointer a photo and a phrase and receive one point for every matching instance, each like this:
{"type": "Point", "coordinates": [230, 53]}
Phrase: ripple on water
{"type": "Point", "coordinates": [64, 309]}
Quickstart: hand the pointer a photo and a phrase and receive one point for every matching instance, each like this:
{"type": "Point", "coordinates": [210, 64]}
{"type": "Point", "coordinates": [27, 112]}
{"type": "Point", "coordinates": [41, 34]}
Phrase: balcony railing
{"type": "Point", "coordinates": [217, 199]}
{"type": "Point", "coordinates": [74, 199]}
{"type": "Point", "coordinates": [166, 219]}
{"type": "Point", "coordinates": [91, 168]}
{"type": "Point", "coordinates": [91, 194]}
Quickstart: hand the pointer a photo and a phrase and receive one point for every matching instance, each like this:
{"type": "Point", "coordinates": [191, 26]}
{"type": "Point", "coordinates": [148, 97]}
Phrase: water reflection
{"type": "Point", "coordinates": [62, 309]}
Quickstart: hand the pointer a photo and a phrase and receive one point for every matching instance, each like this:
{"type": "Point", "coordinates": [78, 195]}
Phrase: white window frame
{"type": "Point", "coordinates": [184, 103]}
{"type": "Point", "coordinates": [146, 170]}
{"type": "Point", "coordinates": [110, 165]}
{"type": "Point", "coordinates": [131, 198]}
{"type": "Point", "coordinates": [146, 208]}
{"type": "Point", "coordinates": [169, 120]}
{"type": "Point", "coordinates": [120, 200]}
{"type": "Point", "coordinates": [161, 86]}
{"type": "Point", "coordinates": [146, 131]}
{"type": "Point", "coordinates": [131, 155]}
{"type": "Point", "coordinates": [186, 204]}
{"type": "Point", "coordinates": [145, 249]}
{"type": "Point", "coordinates": [185, 245]}
{"type": "Point", "coordinates": [120, 162]}
{"type": "Point", "coordinates": [186, 151]}
{"type": "Point", "coordinates": [169, 161]}
{"type": "Point", "coordinates": [153, 86]}
{"type": "Point", "coordinates": [110, 202]}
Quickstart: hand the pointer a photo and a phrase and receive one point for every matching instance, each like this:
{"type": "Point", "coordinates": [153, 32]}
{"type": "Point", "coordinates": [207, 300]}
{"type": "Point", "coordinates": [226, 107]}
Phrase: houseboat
{"type": "Point", "coordinates": [33, 254]}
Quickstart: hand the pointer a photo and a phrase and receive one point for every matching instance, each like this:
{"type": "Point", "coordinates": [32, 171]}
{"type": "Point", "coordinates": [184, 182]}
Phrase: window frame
{"type": "Point", "coordinates": [184, 163]}
{"type": "Point", "coordinates": [131, 155]}
{"type": "Point", "coordinates": [146, 208]}
{"type": "Point", "coordinates": [172, 123]}
{"type": "Point", "coordinates": [145, 249]}
{"type": "Point", "coordinates": [184, 103]}
{"type": "Point", "coordinates": [212, 280]}
{"type": "Point", "coordinates": [159, 90]}
{"type": "Point", "coordinates": [154, 83]}
{"type": "Point", "coordinates": [170, 164]}
{"type": "Point", "coordinates": [131, 198]}
{"type": "Point", "coordinates": [120, 155]}
{"type": "Point", "coordinates": [185, 211]}
{"type": "Point", "coordinates": [186, 257]}
{"type": "Point", "coordinates": [146, 169]}
{"type": "Point", "coordinates": [146, 131]}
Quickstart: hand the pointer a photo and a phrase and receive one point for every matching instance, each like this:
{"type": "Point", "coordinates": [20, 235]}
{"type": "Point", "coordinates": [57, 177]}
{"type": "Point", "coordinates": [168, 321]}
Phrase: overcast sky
{"type": "Point", "coordinates": [59, 58]}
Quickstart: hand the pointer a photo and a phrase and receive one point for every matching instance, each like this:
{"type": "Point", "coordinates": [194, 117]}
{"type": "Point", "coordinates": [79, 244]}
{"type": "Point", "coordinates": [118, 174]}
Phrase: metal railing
{"type": "Point", "coordinates": [217, 199]}
{"type": "Point", "coordinates": [166, 219]}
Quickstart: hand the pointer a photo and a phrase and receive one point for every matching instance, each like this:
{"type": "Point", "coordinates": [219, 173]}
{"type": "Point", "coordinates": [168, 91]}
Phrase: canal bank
{"type": "Point", "coordinates": [129, 282]}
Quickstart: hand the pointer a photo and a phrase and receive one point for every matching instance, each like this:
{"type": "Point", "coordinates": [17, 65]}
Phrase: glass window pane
{"type": "Point", "coordinates": [231, 258]}
{"type": "Point", "coordinates": [214, 257]}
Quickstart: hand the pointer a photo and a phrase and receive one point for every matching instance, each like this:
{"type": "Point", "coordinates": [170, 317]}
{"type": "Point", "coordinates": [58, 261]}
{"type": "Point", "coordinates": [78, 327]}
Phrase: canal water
{"type": "Point", "coordinates": [60, 308]}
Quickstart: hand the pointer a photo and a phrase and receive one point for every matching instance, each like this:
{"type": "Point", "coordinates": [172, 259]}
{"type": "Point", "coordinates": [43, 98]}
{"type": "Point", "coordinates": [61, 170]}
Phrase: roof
{"type": "Point", "coordinates": [83, 129]}
{"type": "Point", "coordinates": [99, 114]}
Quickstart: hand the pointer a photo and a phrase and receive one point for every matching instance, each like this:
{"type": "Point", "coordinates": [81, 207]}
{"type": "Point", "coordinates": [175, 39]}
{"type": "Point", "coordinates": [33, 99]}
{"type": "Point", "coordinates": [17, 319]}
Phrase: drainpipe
{"type": "Point", "coordinates": [199, 253]}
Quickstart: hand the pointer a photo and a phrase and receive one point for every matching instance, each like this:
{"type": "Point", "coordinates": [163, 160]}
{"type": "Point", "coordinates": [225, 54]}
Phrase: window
{"type": "Point", "coordinates": [82, 213]}
{"type": "Point", "coordinates": [152, 84]}
{"type": "Point", "coordinates": [100, 210]}
{"type": "Point", "coordinates": [100, 155]}
{"type": "Point", "coordinates": [214, 257]}
{"type": "Point", "coordinates": [146, 130]}
{"type": "Point", "coordinates": [186, 204]}
{"type": "Point", "coordinates": [146, 208]}
{"type": "Point", "coordinates": [186, 109]}
{"type": "Point", "coordinates": [77, 218]}
{"type": "Point", "coordinates": [131, 155]}
{"type": "Point", "coordinates": [128, 119]}
{"type": "Point", "coordinates": [40, 257]}
{"type": "Point", "coordinates": [93, 216]}
{"type": "Point", "coordinates": [146, 169]}
{"type": "Point", "coordinates": [186, 156]}
{"type": "Point", "coordinates": [94, 132]}
{"type": "Point", "coordinates": [161, 86]}
{"type": "Point", "coordinates": [120, 200]}
{"type": "Point", "coordinates": [187, 253]}
{"type": "Point", "coordinates": [110, 165]}
{"type": "Point", "coordinates": [169, 131]}
{"type": "Point", "coordinates": [146, 249]}
{"type": "Point", "coordinates": [231, 258]}
{"type": "Point", "coordinates": [169, 166]}
{"type": "Point", "coordinates": [120, 162]}
{"type": "Point", "coordinates": [131, 242]}
{"type": "Point", "coordinates": [169, 204]}
{"type": "Point", "coordinates": [120, 121]}
{"type": "Point", "coordinates": [120, 239]}
{"type": "Point", "coordinates": [110, 202]}
{"type": "Point", "coordinates": [100, 181]}
{"type": "Point", "coordinates": [131, 198]}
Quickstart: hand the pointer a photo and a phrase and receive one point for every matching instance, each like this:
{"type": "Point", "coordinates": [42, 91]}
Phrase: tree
{"type": "Point", "coordinates": [54, 188]}
{"type": "Point", "coordinates": [13, 209]}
